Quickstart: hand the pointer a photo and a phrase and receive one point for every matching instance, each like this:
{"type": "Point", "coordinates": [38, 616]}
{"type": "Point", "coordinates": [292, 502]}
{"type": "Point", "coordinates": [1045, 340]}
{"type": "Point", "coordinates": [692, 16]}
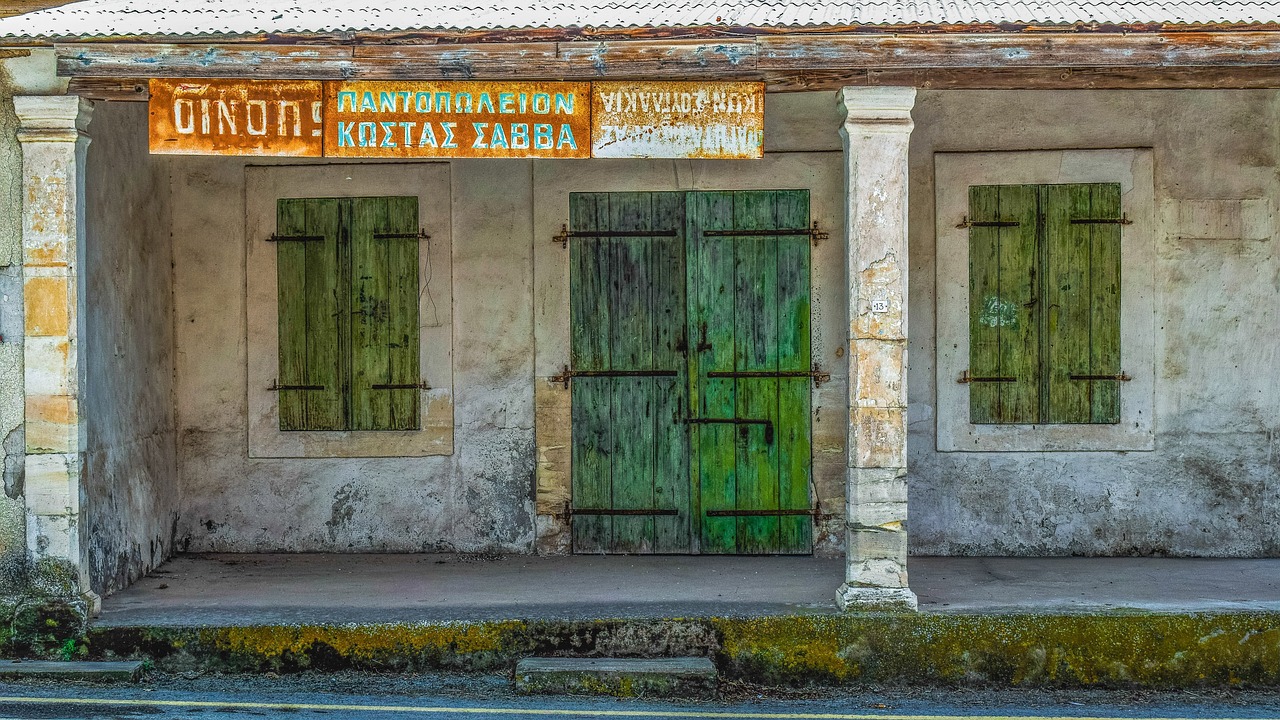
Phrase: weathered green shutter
{"type": "Point", "coordinates": [1083, 302]}
{"type": "Point", "coordinates": [1004, 335]}
{"type": "Point", "coordinates": [309, 267]}
{"type": "Point", "coordinates": [1044, 303]}
{"type": "Point", "coordinates": [385, 374]}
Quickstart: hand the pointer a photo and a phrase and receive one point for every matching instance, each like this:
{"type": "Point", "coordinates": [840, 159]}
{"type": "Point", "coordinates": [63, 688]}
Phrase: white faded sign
{"type": "Point", "coordinates": [677, 120]}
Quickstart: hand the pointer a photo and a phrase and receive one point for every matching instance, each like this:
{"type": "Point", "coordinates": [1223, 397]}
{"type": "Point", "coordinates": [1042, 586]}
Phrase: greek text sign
{"type": "Point", "coordinates": [457, 119]}
{"type": "Point", "coordinates": [677, 119]}
{"type": "Point", "coordinates": [462, 119]}
{"type": "Point", "coordinates": [235, 117]}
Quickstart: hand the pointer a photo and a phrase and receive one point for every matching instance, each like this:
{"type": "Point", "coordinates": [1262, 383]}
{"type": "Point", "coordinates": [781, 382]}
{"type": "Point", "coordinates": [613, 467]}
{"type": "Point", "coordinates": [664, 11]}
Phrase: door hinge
{"type": "Point", "coordinates": [816, 374]}
{"type": "Point", "coordinates": [1121, 377]}
{"type": "Point", "coordinates": [420, 235]}
{"type": "Point", "coordinates": [401, 386]}
{"type": "Point", "coordinates": [966, 378]}
{"type": "Point", "coordinates": [564, 376]}
{"type": "Point", "coordinates": [965, 222]}
{"type": "Point", "coordinates": [1122, 220]}
{"type": "Point", "coordinates": [562, 238]}
{"type": "Point", "coordinates": [275, 387]}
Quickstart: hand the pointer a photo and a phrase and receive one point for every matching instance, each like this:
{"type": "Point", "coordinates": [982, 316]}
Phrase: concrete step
{"type": "Point", "coordinates": [105, 671]}
{"type": "Point", "coordinates": [619, 677]}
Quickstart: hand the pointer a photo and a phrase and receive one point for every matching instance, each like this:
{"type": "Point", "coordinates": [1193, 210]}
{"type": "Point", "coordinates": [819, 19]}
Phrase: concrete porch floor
{"type": "Point", "coordinates": [223, 589]}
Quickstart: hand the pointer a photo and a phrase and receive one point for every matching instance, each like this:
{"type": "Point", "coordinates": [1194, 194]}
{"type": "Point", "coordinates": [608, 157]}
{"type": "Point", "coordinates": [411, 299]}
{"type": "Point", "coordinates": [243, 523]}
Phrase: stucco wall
{"type": "Point", "coordinates": [1210, 487]}
{"type": "Point", "coordinates": [1212, 484]}
{"type": "Point", "coordinates": [131, 489]}
{"type": "Point", "coordinates": [479, 498]}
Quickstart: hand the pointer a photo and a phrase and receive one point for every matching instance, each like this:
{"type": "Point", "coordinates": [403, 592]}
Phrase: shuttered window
{"type": "Point", "coordinates": [347, 273]}
{"type": "Point", "coordinates": [1044, 303]}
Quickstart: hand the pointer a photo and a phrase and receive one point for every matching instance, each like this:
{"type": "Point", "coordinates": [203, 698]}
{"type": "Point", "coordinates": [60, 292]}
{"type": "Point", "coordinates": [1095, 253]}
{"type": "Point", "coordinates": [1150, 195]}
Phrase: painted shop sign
{"type": "Point", "coordinates": [677, 119]}
{"type": "Point", "coordinates": [463, 119]}
{"type": "Point", "coordinates": [457, 119]}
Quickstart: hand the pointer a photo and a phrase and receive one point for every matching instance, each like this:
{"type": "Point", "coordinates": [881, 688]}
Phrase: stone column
{"type": "Point", "coordinates": [876, 130]}
{"type": "Point", "coordinates": [54, 144]}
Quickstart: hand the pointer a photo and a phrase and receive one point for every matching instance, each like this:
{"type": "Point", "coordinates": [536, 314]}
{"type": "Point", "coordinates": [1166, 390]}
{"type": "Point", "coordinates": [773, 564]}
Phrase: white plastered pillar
{"type": "Point", "coordinates": [54, 145]}
{"type": "Point", "coordinates": [876, 132]}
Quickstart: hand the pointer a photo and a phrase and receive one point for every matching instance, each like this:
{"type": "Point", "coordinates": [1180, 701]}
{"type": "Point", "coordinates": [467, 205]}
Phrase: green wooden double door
{"type": "Point", "coordinates": [691, 372]}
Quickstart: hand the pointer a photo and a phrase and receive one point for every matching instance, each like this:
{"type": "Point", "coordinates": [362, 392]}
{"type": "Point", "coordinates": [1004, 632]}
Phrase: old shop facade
{"type": "Point", "coordinates": [361, 318]}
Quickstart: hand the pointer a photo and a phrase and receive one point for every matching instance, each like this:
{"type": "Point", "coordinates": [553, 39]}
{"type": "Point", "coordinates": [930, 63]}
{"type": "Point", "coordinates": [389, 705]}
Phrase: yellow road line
{"type": "Point", "coordinates": [231, 705]}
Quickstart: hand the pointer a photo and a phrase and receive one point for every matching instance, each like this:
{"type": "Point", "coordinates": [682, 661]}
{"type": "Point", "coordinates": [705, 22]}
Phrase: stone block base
{"type": "Point", "coordinates": [854, 598]}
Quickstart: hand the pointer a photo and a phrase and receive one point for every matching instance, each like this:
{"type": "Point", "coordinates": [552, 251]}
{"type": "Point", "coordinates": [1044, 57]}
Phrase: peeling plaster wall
{"type": "Point", "coordinates": [20, 74]}
{"type": "Point", "coordinates": [13, 531]}
{"type": "Point", "coordinates": [131, 490]}
{"type": "Point", "coordinates": [480, 498]}
{"type": "Point", "coordinates": [1211, 487]}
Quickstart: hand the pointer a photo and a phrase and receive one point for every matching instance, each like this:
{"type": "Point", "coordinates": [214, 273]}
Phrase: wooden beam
{"type": "Point", "coordinates": [111, 89]}
{"type": "Point", "coordinates": [133, 89]}
{"type": "Point", "coordinates": [295, 62]}
{"type": "Point", "coordinates": [1250, 78]}
{"type": "Point", "coordinates": [807, 52]}
{"type": "Point", "coordinates": [674, 59]}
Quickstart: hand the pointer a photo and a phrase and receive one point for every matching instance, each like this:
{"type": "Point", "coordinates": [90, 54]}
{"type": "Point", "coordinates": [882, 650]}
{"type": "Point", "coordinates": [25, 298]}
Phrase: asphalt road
{"type": "Point", "coordinates": [362, 698]}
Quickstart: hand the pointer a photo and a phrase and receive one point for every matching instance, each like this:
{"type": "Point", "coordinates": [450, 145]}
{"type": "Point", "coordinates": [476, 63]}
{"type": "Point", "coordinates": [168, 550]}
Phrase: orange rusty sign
{"type": "Point", "coordinates": [458, 119]}
{"type": "Point", "coordinates": [237, 117]}
{"type": "Point", "coordinates": [677, 120]}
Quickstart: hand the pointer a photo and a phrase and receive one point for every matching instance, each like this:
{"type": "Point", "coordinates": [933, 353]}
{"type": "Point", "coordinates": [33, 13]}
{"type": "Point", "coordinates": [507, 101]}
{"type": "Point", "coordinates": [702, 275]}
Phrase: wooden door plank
{"type": "Point", "coordinates": [370, 409]}
{"type": "Point", "coordinates": [403, 327]}
{"type": "Point", "coordinates": [795, 533]}
{"type": "Point", "coordinates": [672, 534]}
{"type": "Point", "coordinates": [631, 345]}
{"type": "Point", "coordinates": [1019, 311]}
{"type": "Point", "coordinates": [756, 344]}
{"type": "Point", "coordinates": [712, 342]}
{"type": "Point", "coordinates": [984, 290]}
{"type": "Point", "coordinates": [591, 398]}
{"type": "Point", "coordinates": [1068, 300]}
{"type": "Point", "coordinates": [1104, 320]}
{"type": "Point", "coordinates": [326, 366]}
{"type": "Point", "coordinates": [291, 281]}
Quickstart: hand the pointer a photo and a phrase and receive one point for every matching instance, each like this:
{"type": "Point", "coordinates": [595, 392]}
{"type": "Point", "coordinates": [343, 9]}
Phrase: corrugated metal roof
{"type": "Point", "coordinates": [99, 18]}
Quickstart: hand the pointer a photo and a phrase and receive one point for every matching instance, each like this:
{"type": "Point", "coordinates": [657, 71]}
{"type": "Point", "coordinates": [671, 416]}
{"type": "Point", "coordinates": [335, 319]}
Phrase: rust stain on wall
{"type": "Point", "coordinates": [236, 117]}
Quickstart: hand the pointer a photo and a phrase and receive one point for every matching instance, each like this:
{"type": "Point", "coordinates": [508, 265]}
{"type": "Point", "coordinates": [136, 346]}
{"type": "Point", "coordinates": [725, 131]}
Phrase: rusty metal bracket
{"type": "Point", "coordinates": [624, 511]}
{"type": "Point", "coordinates": [814, 233]}
{"type": "Point", "coordinates": [420, 235]}
{"type": "Point", "coordinates": [966, 378]}
{"type": "Point", "coordinates": [1121, 377]}
{"type": "Point", "coordinates": [817, 235]}
{"type": "Point", "coordinates": [562, 238]}
{"type": "Point", "coordinates": [565, 375]}
{"type": "Point", "coordinates": [401, 386]}
{"type": "Point", "coordinates": [816, 374]}
{"type": "Point", "coordinates": [295, 238]}
{"type": "Point", "coordinates": [1122, 220]}
{"type": "Point", "coordinates": [965, 222]}
{"type": "Point", "coordinates": [274, 387]}
{"type": "Point", "coordinates": [759, 513]}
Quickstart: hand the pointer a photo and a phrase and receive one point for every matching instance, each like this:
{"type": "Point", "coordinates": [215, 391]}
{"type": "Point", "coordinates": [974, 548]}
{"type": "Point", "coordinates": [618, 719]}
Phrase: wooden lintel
{"type": "Point", "coordinates": [1241, 78]}
{"type": "Point", "coordinates": [675, 59]}
{"type": "Point", "coordinates": [111, 89]}
{"type": "Point", "coordinates": [133, 89]}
